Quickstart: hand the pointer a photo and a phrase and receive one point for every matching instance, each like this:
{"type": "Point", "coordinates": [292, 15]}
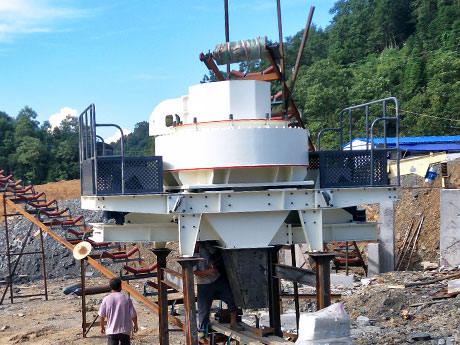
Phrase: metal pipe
{"type": "Point", "coordinates": [302, 46]}
{"type": "Point", "coordinates": [398, 156]}
{"type": "Point", "coordinates": [83, 297]}
{"type": "Point", "coordinates": [320, 133]}
{"type": "Point", "coordinates": [122, 149]}
{"type": "Point", "coordinates": [384, 111]}
{"type": "Point", "coordinates": [163, 333]}
{"type": "Point", "coordinates": [350, 128]}
{"type": "Point", "coordinates": [227, 33]}
{"type": "Point", "coordinates": [367, 127]}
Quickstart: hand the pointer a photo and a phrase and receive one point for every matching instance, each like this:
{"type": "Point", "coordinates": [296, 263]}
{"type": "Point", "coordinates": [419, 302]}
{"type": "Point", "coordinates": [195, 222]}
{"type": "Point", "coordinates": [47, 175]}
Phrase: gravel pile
{"type": "Point", "coordinates": [59, 260]}
{"type": "Point", "coordinates": [384, 311]}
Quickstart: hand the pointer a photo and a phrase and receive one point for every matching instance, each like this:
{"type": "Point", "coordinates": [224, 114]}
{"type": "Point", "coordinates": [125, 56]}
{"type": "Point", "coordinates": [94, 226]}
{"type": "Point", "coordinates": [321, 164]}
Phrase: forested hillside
{"type": "Point", "coordinates": [372, 49]}
{"type": "Point", "coordinates": [378, 48]}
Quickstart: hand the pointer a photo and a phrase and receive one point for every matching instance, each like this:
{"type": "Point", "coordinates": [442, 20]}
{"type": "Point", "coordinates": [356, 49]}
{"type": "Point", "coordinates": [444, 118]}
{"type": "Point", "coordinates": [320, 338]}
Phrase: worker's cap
{"type": "Point", "coordinates": [82, 250]}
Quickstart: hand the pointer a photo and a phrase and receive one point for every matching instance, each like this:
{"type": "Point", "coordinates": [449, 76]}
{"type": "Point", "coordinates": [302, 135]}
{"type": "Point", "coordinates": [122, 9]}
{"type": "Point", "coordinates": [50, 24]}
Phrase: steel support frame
{"type": "Point", "coordinates": [323, 278]}
{"type": "Point", "coordinates": [283, 199]}
{"type": "Point", "coordinates": [163, 328]}
{"type": "Point", "coordinates": [9, 254]}
{"type": "Point", "coordinates": [191, 331]}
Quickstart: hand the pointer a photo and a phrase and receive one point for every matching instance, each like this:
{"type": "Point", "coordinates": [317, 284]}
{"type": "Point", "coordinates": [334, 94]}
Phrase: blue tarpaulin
{"type": "Point", "coordinates": [427, 143]}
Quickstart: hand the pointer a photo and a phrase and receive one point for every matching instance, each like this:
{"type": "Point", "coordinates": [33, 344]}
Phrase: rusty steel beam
{"type": "Point", "coordinates": [210, 64]}
{"type": "Point", "coordinates": [161, 254]}
{"type": "Point", "coordinates": [191, 331]}
{"type": "Point", "coordinates": [323, 278]}
{"type": "Point", "coordinates": [302, 46]}
{"type": "Point", "coordinates": [263, 77]}
{"type": "Point", "coordinates": [283, 72]}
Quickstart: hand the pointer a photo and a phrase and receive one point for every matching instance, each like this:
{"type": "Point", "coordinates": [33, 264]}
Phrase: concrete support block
{"type": "Point", "coordinates": [449, 228]}
{"type": "Point", "coordinates": [342, 279]}
{"type": "Point", "coordinates": [386, 237]}
{"type": "Point", "coordinates": [373, 259]}
{"type": "Point", "coordinates": [330, 325]}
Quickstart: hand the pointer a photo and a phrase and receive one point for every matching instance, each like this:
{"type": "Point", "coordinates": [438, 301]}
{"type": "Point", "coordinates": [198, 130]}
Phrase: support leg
{"type": "Point", "coordinates": [296, 290]}
{"type": "Point", "coordinates": [7, 240]}
{"type": "Point", "coordinates": [323, 279]}
{"type": "Point", "coordinates": [83, 297]}
{"type": "Point", "coordinates": [163, 331]}
{"type": "Point", "coordinates": [191, 332]}
{"type": "Point", "coordinates": [42, 249]}
{"type": "Point", "coordinates": [274, 293]}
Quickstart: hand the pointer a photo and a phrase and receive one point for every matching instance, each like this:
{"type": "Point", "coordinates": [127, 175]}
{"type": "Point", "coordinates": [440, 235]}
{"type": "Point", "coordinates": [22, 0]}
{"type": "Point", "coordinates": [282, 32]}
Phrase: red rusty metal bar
{"type": "Point", "coordinates": [302, 45]}
{"type": "Point", "coordinates": [283, 71]}
{"type": "Point", "coordinates": [209, 62]}
{"type": "Point", "coordinates": [323, 278]}
{"type": "Point", "coordinates": [191, 332]}
{"type": "Point", "coordinates": [163, 333]}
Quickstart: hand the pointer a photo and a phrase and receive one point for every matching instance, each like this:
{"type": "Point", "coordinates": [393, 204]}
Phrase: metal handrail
{"type": "Point", "coordinates": [88, 138]}
{"type": "Point", "coordinates": [384, 118]}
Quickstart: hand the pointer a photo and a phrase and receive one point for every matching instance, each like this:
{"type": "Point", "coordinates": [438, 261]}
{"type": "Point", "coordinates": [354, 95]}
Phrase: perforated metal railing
{"type": "Point", "coordinates": [359, 168]}
{"type": "Point", "coordinates": [104, 174]}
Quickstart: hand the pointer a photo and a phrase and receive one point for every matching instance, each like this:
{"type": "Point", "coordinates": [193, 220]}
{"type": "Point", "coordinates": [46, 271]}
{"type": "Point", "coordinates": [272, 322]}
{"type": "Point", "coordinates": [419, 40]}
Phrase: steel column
{"type": "Point", "coordinates": [191, 331]}
{"type": "Point", "coordinates": [323, 278]}
{"type": "Point", "coordinates": [42, 249]}
{"type": "Point", "coordinates": [163, 330]}
{"type": "Point", "coordinates": [83, 297]}
{"type": "Point", "coordinates": [296, 289]}
{"type": "Point", "coordinates": [274, 303]}
{"type": "Point", "coordinates": [7, 239]}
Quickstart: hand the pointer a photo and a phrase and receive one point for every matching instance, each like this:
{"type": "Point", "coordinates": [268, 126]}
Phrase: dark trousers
{"type": "Point", "coordinates": [207, 293]}
{"type": "Point", "coordinates": [118, 339]}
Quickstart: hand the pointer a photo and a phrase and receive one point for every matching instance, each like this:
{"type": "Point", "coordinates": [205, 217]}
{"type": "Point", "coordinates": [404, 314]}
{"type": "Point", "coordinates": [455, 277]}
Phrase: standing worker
{"type": "Point", "coordinates": [119, 311]}
{"type": "Point", "coordinates": [212, 285]}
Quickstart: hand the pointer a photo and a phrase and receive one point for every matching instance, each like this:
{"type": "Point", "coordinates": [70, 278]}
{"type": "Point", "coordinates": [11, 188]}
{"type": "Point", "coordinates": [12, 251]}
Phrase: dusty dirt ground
{"type": "Point", "coordinates": [58, 320]}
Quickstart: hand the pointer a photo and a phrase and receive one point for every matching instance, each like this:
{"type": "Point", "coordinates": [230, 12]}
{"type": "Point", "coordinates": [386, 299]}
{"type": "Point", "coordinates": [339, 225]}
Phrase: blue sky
{"type": "Point", "coordinates": [124, 56]}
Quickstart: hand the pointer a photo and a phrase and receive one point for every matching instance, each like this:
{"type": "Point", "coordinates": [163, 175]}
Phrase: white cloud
{"type": "Point", "coordinates": [116, 135]}
{"type": "Point", "coordinates": [31, 16]}
{"type": "Point", "coordinates": [56, 119]}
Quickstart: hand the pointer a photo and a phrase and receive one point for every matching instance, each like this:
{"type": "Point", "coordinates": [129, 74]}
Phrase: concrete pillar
{"type": "Point", "coordinates": [386, 237]}
{"type": "Point", "coordinates": [373, 262]}
{"type": "Point", "coordinates": [449, 228]}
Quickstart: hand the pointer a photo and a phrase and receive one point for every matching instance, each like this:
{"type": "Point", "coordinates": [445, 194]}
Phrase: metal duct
{"type": "Point", "coordinates": [240, 51]}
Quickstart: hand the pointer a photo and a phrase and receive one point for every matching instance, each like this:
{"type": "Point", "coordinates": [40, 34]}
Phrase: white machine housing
{"type": "Point", "coordinates": [222, 133]}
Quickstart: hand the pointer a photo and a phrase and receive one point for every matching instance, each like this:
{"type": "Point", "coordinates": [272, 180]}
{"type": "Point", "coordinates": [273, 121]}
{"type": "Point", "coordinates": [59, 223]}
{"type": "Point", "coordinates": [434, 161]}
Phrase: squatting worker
{"type": "Point", "coordinates": [121, 316]}
{"type": "Point", "coordinates": [212, 284]}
